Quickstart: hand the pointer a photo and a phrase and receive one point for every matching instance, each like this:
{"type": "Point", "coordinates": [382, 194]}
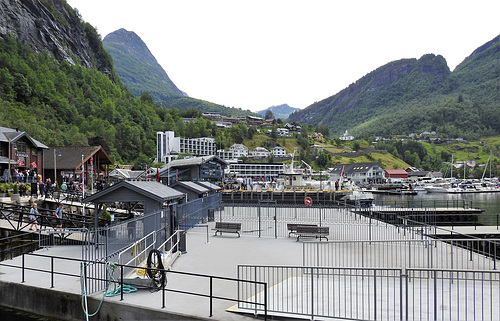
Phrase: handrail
{"type": "Point", "coordinates": [120, 267]}
{"type": "Point", "coordinates": [134, 245]}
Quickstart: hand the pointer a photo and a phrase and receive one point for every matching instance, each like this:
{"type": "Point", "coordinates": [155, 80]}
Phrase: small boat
{"type": "Point", "coordinates": [359, 198]}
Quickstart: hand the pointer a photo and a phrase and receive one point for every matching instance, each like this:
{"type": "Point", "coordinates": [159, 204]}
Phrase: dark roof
{"type": "Point", "coordinates": [353, 168]}
{"type": "Point", "coordinates": [71, 157]}
{"type": "Point", "coordinates": [190, 186]}
{"type": "Point", "coordinates": [151, 189]}
{"type": "Point", "coordinates": [14, 135]}
{"type": "Point", "coordinates": [188, 162]}
{"type": "Point", "coordinates": [120, 173]}
{"type": "Point", "coordinates": [209, 185]}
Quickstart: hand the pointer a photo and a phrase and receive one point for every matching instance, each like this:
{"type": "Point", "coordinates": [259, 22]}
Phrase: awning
{"type": "Point", "coordinates": [5, 160]}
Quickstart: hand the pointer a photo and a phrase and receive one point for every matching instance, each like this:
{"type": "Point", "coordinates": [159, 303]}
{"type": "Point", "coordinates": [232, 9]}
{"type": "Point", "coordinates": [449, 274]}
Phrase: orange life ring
{"type": "Point", "coordinates": [308, 201]}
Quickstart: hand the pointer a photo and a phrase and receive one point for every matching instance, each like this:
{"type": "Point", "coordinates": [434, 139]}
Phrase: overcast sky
{"type": "Point", "coordinates": [256, 54]}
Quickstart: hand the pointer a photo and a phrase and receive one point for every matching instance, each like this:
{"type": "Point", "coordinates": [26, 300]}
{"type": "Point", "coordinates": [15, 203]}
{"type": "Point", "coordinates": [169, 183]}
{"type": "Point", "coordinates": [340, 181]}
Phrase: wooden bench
{"type": "Point", "coordinates": [222, 227]}
{"type": "Point", "coordinates": [312, 231]}
{"type": "Point", "coordinates": [292, 227]}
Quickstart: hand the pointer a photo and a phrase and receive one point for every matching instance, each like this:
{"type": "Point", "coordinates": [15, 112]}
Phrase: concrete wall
{"type": "Point", "coordinates": [67, 306]}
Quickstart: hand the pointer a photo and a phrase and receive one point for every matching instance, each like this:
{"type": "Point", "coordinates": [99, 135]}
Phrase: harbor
{"type": "Point", "coordinates": [265, 243]}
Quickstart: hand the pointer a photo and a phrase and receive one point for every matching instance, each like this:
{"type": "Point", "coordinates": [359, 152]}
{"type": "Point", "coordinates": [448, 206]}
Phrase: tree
{"type": "Point", "coordinates": [269, 114]}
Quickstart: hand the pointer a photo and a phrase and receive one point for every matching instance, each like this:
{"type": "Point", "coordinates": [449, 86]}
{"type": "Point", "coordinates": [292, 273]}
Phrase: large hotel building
{"type": "Point", "coordinates": [168, 146]}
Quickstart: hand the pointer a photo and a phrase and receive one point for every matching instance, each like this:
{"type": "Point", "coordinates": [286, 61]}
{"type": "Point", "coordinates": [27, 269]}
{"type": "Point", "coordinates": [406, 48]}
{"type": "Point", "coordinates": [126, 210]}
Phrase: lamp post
{"type": "Point", "coordinates": [56, 154]}
{"type": "Point", "coordinates": [8, 174]}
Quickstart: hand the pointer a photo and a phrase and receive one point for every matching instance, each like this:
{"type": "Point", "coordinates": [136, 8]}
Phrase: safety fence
{"type": "Point", "coordinates": [465, 254]}
{"type": "Point", "coordinates": [266, 219]}
{"type": "Point", "coordinates": [357, 293]}
{"type": "Point", "coordinates": [55, 270]}
{"type": "Point", "coordinates": [134, 236]}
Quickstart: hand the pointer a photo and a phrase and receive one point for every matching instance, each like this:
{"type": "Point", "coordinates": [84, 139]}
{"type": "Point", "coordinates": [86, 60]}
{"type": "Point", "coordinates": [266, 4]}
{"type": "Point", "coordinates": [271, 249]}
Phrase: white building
{"type": "Point", "coordinates": [259, 152]}
{"type": "Point", "coordinates": [257, 172]}
{"type": "Point", "coordinates": [203, 146]}
{"type": "Point", "coordinates": [283, 132]}
{"type": "Point", "coordinates": [346, 136]}
{"type": "Point", "coordinates": [168, 146]}
{"type": "Point", "coordinates": [238, 150]}
{"type": "Point", "coordinates": [278, 151]}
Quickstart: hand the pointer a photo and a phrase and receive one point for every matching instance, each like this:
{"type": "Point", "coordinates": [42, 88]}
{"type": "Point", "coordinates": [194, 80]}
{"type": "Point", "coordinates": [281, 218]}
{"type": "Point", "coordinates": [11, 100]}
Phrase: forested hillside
{"type": "Point", "coordinates": [137, 67]}
{"type": "Point", "coordinates": [412, 96]}
{"type": "Point", "coordinates": [140, 72]}
{"type": "Point", "coordinates": [63, 104]}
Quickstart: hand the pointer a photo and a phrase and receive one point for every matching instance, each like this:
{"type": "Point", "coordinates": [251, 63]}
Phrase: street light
{"type": "Point", "coordinates": [55, 165]}
{"type": "Point", "coordinates": [8, 174]}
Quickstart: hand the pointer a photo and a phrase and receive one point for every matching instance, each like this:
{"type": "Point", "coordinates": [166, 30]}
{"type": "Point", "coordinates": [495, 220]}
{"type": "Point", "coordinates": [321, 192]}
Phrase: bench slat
{"type": "Point", "coordinates": [229, 227]}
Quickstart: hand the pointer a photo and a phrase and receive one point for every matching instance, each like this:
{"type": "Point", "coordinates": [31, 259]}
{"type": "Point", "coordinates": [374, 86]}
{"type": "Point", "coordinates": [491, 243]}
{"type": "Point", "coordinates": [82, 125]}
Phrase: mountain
{"type": "Point", "coordinates": [280, 111]}
{"type": "Point", "coordinates": [53, 26]}
{"type": "Point", "coordinates": [137, 67]}
{"type": "Point", "coordinates": [414, 95]}
{"type": "Point", "coordinates": [140, 72]}
{"type": "Point", "coordinates": [58, 84]}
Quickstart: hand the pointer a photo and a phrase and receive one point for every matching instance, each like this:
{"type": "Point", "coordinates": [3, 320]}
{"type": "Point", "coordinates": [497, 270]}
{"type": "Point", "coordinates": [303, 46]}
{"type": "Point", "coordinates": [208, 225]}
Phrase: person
{"type": "Point", "coordinates": [59, 214]}
{"type": "Point", "coordinates": [33, 217]}
{"type": "Point", "coordinates": [64, 187]}
{"type": "Point", "coordinates": [41, 188]}
{"type": "Point", "coordinates": [23, 190]}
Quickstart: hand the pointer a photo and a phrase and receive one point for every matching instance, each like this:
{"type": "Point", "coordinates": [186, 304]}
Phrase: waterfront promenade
{"type": "Point", "coordinates": [369, 269]}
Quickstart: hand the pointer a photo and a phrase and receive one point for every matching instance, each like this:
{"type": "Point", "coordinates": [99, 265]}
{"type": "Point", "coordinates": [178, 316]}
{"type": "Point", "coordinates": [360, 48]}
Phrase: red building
{"type": "Point", "coordinates": [20, 155]}
{"type": "Point", "coordinates": [395, 174]}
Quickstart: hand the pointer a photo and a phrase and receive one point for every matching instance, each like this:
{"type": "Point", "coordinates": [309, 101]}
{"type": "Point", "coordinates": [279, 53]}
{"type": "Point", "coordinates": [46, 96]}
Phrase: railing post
{"type": "Point", "coordinates": [312, 293]}
{"type": "Point", "coordinates": [163, 291]}
{"type": "Point", "coordinates": [51, 272]}
{"type": "Point", "coordinates": [211, 298]}
{"type": "Point", "coordinates": [121, 282]}
{"type": "Point", "coordinates": [435, 296]}
{"type": "Point", "coordinates": [375, 293]}
{"type": "Point", "coordinates": [22, 274]}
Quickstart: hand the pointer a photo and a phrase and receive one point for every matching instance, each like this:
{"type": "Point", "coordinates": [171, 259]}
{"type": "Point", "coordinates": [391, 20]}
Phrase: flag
{"type": "Point", "coordinates": [342, 175]}
{"type": "Point", "coordinates": [157, 174]}
{"type": "Point", "coordinates": [34, 165]}
{"type": "Point", "coordinates": [20, 162]}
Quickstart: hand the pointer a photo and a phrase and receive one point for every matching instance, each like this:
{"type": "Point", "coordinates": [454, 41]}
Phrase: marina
{"type": "Point", "coordinates": [265, 244]}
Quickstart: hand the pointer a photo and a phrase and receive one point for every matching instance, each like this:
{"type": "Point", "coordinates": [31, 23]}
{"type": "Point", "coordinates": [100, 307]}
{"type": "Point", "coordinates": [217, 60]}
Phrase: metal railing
{"type": "Point", "coordinates": [209, 286]}
{"type": "Point", "coordinates": [376, 293]}
{"type": "Point", "coordinates": [441, 294]}
{"type": "Point", "coordinates": [15, 245]}
{"type": "Point", "coordinates": [350, 293]}
{"type": "Point", "coordinates": [466, 254]}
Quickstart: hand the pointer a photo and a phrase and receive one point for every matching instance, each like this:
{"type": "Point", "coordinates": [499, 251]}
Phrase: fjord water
{"type": "Point", "coordinates": [489, 202]}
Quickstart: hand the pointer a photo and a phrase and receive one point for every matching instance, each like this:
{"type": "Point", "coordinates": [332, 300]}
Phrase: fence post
{"type": "Point", "coordinates": [435, 296]}
{"type": "Point", "coordinates": [312, 293]}
{"type": "Point", "coordinates": [375, 293]}
{"type": "Point", "coordinates": [211, 296]}
{"type": "Point", "coordinates": [51, 272]}
{"type": "Point", "coordinates": [22, 274]}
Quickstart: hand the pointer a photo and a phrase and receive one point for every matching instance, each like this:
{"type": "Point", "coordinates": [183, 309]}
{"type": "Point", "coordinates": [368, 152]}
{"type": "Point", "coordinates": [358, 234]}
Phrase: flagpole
{"type": "Point", "coordinates": [92, 174]}
{"type": "Point", "coordinates": [83, 188]}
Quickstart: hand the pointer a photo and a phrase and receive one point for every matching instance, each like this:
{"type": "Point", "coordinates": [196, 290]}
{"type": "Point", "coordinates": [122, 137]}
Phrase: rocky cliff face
{"type": "Point", "coordinates": [54, 26]}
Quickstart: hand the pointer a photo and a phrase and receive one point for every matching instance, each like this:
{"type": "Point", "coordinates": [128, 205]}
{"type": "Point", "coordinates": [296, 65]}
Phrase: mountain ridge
{"type": "Point", "coordinates": [381, 102]}
{"type": "Point", "coordinates": [279, 111]}
{"type": "Point", "coordinates": [137, 67]}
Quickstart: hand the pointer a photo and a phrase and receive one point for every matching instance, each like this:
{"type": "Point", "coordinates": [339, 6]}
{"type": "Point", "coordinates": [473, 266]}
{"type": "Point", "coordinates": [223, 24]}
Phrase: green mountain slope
{"type": "Point", "coordinates": [140, 72]}
{"type": "Point", "coordinates": [412, 95]}
{"type": "Point", "coordinates": [137, 67]}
